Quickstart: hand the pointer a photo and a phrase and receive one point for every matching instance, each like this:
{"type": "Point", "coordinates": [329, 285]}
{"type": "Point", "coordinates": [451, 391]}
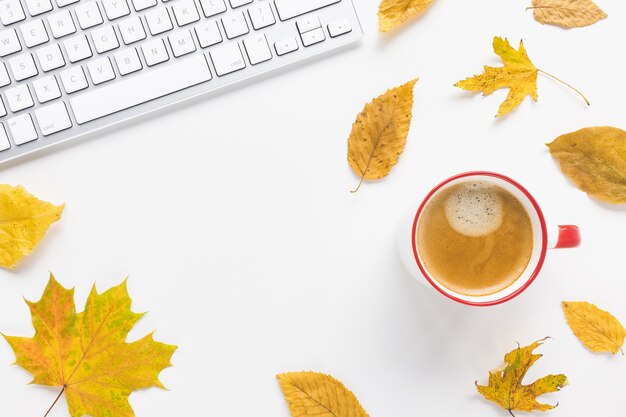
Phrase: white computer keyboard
{"type": "Point", "coordinates": [71, 67]}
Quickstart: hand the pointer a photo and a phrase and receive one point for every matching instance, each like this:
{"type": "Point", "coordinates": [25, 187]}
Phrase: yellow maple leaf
{"type": "Point", "coordinates": [597, 329]}
{"type": "Point", "coordinates": [24, 220]}
{"type": "Point", "coordinates": [505, 383]}
{"type": "Point", "coordinates": [86, 354]}
{"type": "Point", "coordinates": [518, 74]}
{"type": "Point", "coordinates": [567, 13]}
{"type": "Point", "coordinates": [394, 13]}
{"type": "Point", "coordinates": [379, 133]}
{"type": "Point", "coordinates": [316, 394]}
{"type": "Point", "coordinates": [594, 158]}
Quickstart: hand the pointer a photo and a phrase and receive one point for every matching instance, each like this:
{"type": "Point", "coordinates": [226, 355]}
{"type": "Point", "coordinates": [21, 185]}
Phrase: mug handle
{"type": "Point", "coordinates": [565, 236]}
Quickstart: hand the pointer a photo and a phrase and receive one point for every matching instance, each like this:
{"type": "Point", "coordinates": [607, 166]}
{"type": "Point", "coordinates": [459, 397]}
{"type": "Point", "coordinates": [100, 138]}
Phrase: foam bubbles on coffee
{"type": "Point", "coordinates": [474, 209]}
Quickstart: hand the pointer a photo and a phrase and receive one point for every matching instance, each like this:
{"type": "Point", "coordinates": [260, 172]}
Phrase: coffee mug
{"type": "Point", "coordinates": [544, 237]}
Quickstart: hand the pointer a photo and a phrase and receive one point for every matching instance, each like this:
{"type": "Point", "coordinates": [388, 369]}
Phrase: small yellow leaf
{"type": "Point", "coordinates": [597, 329]}
{"type": "Point", "coordinates": [24, 220]}
{"type": "Point", "coordinates": [320, 395]}
{"type": "Point", "coordinates": [594, 159]}
{"type": "Point", "coordinates": [86, 354]}
{"type": "Point", "coordinates": [518, 74]}
{"type": "Point", "coordinates": [394, 13]}
{"type": "Point", "coordinates": [379, 133]}
{"type": "Point", "coordinates": [505, 383]}
{"type": "Point", "coordinates": [567, 13]}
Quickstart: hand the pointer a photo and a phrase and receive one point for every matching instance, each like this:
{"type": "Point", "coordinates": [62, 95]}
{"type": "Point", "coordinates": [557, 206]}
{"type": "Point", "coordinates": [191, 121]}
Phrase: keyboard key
{"type": "Point", "coordinates": [141, 88]}
{"type": "Point", "coordinates": [339, 27]}
{"type": "Point", "coordinates": [257, 48]}
{"type": "Point", "coordinates": [4, 139]}
{"type": "Point", "coordinates": [9, 43]}
{"type": "Point", "coordinates": [312, 37]}
{"type": "Point", "coordinates": [4, 75]}
{"type": "Point", "coordinates": [115, 9]}
{"type": "Point", "coordinates": [88, 15]}
{"type": "Point", "coordinates": [154, 52]}
{"type": "Point", "coordinates": [185, 12]}
{"type": "Point", "coordinates": [128, 61]}
{"type": "Point", "coordinates": [212, 7]}
{"type": "Point", "coordinates": [23, 67]}
{"type": "Point", "coordinates": [77, 48]}
{"type": "Point", "coordinates": [3, 110]}
{"type": "Point", "coordinates": [261, 15]}
{"type": "Point", "coordinates": [227, 59]}
{"type": "Point", "coordinates": [308, 23]}
{"type": "Point", "coordinates": [235, 25]}
{"type": "Point", "coordinates": [288, 9]}
{"type": "Point", "coordinates": [63, 3]}
{"type": "Point", "coordinates": [34, 33]}
{"type": "Point", "coordinates": [11, 11]}
{"type": "Point", "coordinates": [101, 70]}
{"type": "Point", "coordinates": [208, 33]}
{"type": "Point", "coordinates": [104, 39]}
{"type": "Point", "coordinates": [22, 129]}
{"type": "Point", "coordinates": [143, 4]}
{"type": "Point", "coordinates": [19, 98]}
{"type": "Point", "coordinates": [286, 46]}
{"type": "Point", "coordinates": [61, 24]}
{"type": "Point", "coordinates": [159, 21]}
{"type": "Point", "coordinates": [73, 79]}
{"type": "Point", "coordinates": [50, 57]}
{"type": "Point", "coordinates": [181, 43]}
{"type": "Point", "coordinates": [37, 7]}
{"type": "Point", "coordinates": [237, 3]}
{"type": "Point", "coordinates": [53, 118]}
{"type": "Point", "coordinates": [132, 30]}
{"type": "Point", "coordinates": [46, 89]}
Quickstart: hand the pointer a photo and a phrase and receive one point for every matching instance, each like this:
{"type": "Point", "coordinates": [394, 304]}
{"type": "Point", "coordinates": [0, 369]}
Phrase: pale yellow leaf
{"type": "Point", "coordinates": [594, 158]}
{"type": "Point", "coordinates": [394, 13]}
{"type": "Point", "coordinates": [314, 394]}
{"type": "Point", "coordinates": [567, 13]}
{"type": "Point", "coordinates": [597, 329]}
{"type": "Point", "coordinates": [379, 133]}
{"type": "Point", "coordinates": [24, 220]}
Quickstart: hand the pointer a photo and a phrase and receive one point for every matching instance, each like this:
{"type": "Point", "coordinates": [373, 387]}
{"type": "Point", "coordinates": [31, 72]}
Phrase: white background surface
{"type": "Point", "coordinates": [234, 221]}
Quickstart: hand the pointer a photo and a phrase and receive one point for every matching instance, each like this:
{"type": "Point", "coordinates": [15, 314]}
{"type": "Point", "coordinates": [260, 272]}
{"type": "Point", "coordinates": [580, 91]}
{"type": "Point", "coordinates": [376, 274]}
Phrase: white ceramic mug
{"type": "Point", "coordinates": [544, 238]}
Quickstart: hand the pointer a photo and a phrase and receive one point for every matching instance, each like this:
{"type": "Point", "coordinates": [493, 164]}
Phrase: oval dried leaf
{"type": "Point", "coordinates": [24, 220]}
{"type": "Point", "coordinates": [567, 13]}
{"type": "Point", "coordinates": [316, 394]}
{"type": "Point", "coordinates": [597, 329]}
{"type": "Point", "coordinates": [594, 159]}
{"type": "Point", "coordinates": [379, 133]}
{"type": "Point", "coordinates": [394, 13]}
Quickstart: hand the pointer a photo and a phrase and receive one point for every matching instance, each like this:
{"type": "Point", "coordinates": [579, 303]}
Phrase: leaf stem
{"type": "Point", "coordinates": [356, 189]}
{"type": "Point", "coordinates": [564, 83]}
{"type": "Point", "coordinates": [55, 401]}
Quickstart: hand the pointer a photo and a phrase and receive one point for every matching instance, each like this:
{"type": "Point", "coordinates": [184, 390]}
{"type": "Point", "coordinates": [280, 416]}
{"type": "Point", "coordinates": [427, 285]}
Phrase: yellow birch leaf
{"type": "Point", "coordinates": [24, 220]}
{"type": "Point", "coordinates": [597, 329]}
{"type": "Point", "coordinates": [394, 13]}
{"type": "Point", "coordinates": [594, 159]}
{"type": "Point", "coordinates": [567, 13]}
{"type": "Point", "coordinates": [320, 395]}
{"type": "Point", "coordinates": [505, 383]}
{"type": "Point", "coordinates": [86, 354]}
{"type": "Point", "coordinates": [379, 133]}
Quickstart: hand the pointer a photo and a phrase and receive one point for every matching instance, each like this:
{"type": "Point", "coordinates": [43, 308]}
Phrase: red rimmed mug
{"type": "Point", "coordinates": [544, 237]}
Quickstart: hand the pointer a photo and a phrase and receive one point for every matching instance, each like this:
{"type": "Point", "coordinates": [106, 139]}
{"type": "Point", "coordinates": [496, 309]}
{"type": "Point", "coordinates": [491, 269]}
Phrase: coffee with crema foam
{"type": "Point", "coordinates": [475, 238]}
